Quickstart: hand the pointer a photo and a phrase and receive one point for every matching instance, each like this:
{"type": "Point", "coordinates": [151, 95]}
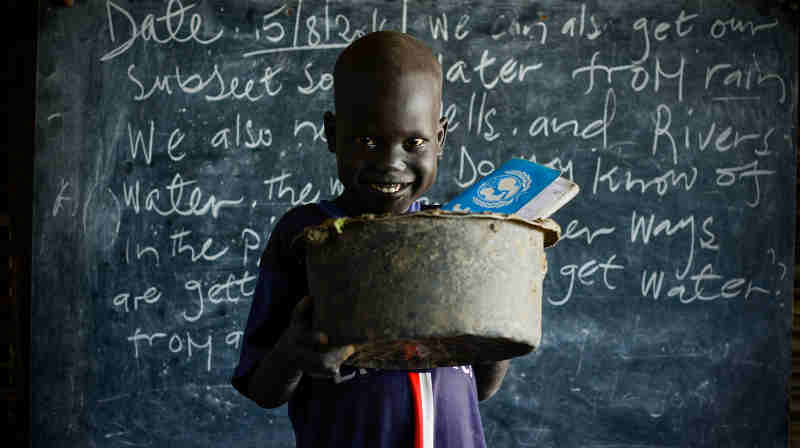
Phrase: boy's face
{"type": "Point", "coordinates": [387, 137]}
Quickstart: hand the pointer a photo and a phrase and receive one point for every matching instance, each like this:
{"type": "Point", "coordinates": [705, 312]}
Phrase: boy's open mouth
{"type": "Point", "coordinates": [387, 188]}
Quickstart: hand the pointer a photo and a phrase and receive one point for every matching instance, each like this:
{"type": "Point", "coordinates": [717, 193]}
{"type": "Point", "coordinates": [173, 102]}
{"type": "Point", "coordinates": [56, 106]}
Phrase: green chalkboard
{"type": "Point", "coordinates": [172, 134]}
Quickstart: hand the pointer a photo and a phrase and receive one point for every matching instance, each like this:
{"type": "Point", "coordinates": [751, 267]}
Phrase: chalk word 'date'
{"type": "Point", "coordinates": [172, 19]}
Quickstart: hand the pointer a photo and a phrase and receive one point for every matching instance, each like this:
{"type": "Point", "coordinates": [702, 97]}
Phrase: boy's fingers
{"type": "Point", "coordinates": [319, 365]}
{"type": "Point", "coordinates": [338, 355]}
{"type": "Point", "coordinates": [325, 363]}
{"type": "Point", "coordinates": [347, 351]}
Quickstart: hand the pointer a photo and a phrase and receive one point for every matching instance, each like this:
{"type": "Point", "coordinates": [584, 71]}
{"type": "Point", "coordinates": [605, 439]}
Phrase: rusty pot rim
{"type": "Point", "coordinates": [319, 233]}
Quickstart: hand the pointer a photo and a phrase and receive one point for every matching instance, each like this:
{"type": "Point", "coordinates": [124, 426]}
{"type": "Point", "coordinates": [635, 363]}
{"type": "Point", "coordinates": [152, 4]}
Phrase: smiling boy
{"type": "Point", "coordinates": [388, 137]}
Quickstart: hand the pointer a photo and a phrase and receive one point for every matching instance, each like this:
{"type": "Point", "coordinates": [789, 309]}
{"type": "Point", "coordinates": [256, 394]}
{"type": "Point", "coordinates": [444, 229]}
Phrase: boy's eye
{"type": "Point", "coordinates": [415, 144]}
{"type": "Point", "coordinates": [366, 142]}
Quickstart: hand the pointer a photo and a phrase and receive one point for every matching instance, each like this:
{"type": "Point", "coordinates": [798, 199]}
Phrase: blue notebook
{"type": "Point", "coordinates": [518, 187]}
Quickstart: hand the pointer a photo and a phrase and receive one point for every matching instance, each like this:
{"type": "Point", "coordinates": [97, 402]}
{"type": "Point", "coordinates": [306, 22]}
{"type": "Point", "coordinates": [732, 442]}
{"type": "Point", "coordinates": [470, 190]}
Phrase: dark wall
{"type": "Point", "coordinates": [667, 303]}
{"type": "Point", "coordinates": [18, 95]}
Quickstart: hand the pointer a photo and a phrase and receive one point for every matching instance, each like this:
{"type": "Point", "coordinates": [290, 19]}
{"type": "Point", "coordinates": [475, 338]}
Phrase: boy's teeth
{"type": "Point", "coordinates": [386, 188]}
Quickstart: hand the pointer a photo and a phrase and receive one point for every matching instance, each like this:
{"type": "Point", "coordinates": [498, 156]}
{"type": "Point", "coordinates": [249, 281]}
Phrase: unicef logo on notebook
{"type": "Point", "coordinates": [501, 190]}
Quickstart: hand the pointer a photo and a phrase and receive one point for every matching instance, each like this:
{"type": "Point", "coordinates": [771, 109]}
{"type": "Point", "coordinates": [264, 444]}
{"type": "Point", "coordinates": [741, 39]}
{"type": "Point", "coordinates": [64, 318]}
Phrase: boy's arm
{"type": "Point", "coordinates": [274, 380]}
{"type": "Point", "coordinates": [299, 351]}
{"type": "Point", "coordinates": [488, 377]}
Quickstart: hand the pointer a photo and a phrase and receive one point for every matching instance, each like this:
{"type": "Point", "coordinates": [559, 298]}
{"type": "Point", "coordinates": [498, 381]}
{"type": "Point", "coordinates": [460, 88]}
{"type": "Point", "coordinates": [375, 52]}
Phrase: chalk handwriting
{"type": "Point", "coordinates": [574, 231]}
{"type": "Point", "coordinates": [251, 242]}
{"type": "Point", "coordinates": [173, 19]}
{"type": "Point", "coordinates": [304, 196]}
{"type": "Point", "coordinates": [329, 31]}
{"type": "Point", "coordinates": [545, 125]}
{"type": "Point", "coordinates": [703, 286]}
{"type": "Point", "coordinates": [511, 70]}
{"type": "Point", "coordinates": [743, 81]}
{"type": "Point", "coordinates": [565, 166]}
{"type": "Point", "coordinates": [721, 139]}
{"type": "Point", "coordinates": [61, 197]}
{"type": "Point", "coordinates": [577, 26]}
{"type": "Point", "coordinates": [214, 87]}
{"type": "Point", "coordinates": [247, 134]}
{"type": "Point", "coordinates": [139, 142]}
{"type": "Point", "coordinates": [325, 81]}
{"type": "Point", "coordinates": [317, 130]}
{"type": "Point", "coordinates": [178, 203]}
{"type": "Point", "coordinates": [731, 175]}
{"type": "Point", "coordinates": [140, 251]}
{"type": "Point", "coordinates": [661, 31]}
{"type": "Point", "coordinates": [721, 27]}
{"type": "Point", "coordinates": [175, 343]}
{"type": "Point", "coordinates": [125, 301]}
{"type": "Point", "coordinates": [482, 168]}
{"type": "Point", "coordinates": [510, 27]}
{"type": "Point", "coordinates": [439, 29]}
{"type": "Point", "coordinates": [662, 184]}
{"type": "Point", "coordinates": [180, 246]}
{"type": "Point", "coordinates": [585, 274]}
{"type": "Point", "coordinates": [231, 290]}
{"type": "Point", "coordinates": [640, 77]}
{"type": "Point", "coordinates": [646, 229]}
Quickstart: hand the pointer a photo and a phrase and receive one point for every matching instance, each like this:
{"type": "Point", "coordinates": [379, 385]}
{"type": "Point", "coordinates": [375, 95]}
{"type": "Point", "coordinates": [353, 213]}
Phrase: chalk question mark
{"type": "Point", "coordinates": [781, 265]}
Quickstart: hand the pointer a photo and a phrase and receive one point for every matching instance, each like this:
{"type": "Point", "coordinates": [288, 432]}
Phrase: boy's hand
{"type": "Point", "coordinates": [308, 350]}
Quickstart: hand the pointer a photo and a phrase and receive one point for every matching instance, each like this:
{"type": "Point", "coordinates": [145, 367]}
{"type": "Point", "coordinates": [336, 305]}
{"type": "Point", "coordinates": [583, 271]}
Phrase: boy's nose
{"type": "Point", "coordinates": [392, 158]}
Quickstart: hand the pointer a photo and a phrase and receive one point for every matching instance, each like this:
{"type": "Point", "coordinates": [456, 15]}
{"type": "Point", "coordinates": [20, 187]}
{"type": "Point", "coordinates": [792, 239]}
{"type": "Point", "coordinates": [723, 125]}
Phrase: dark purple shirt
{"type": "Point", "coordinates": [365, 407]}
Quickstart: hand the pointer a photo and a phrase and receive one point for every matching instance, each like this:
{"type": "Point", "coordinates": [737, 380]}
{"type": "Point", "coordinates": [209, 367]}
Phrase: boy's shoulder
{"type": "Point", "coordinates": [296, 219]}
{"type": "Point", "coordinates": [283, 237]}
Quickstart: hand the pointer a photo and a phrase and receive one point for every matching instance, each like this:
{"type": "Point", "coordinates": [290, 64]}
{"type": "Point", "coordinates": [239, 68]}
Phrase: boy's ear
{"type": "Point", "coordinates": [441, 134]}
{"type": "Point", "coordinates": [330, 130]}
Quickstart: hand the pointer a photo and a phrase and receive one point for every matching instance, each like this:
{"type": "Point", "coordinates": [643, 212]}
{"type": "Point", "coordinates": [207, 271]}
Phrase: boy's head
{"type": "Point", "coordinates": [387, 134]}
